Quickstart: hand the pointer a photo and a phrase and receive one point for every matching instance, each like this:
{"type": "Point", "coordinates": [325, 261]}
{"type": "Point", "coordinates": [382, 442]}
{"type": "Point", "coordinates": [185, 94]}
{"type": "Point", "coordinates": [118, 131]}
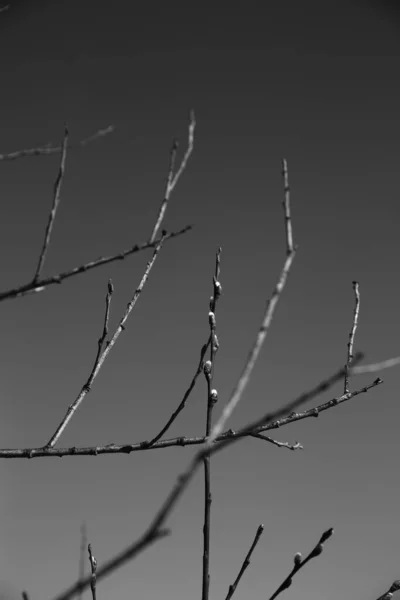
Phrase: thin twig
{"type": "Point", "coordinates": [155, 529]}
{"type": "Point", "coordinates": [42, 284]}
{"type": "Point", "coordinates": [178, 441]}
{"type": "Point", "coordinates": [395, 587]}
{"type": "Point", "coordinates": [49, 149]}
{"type": "Point", "coordinates": [385, 364]}
{"type": "Point", "coordinates": [56, 202]}
{"type": "Point", "coordinates": [93, 568]}
{"type": "Point", "coordinates": [246, 562]}
{"type": "Point", "coordinates": [267, 318]}
{"type": "Point", "coordinates": [299, 563]}
{"type": "Point", "coordinates": [82, 555]}
{"type": "Point", "coordinates": [295, 446]}
{"type": "Point", "coordinates": [186, 395]}
{"type": "Point", "coordinates": [172, 179]}
{"type": "Point", "coordinates": [212, 398]}
{"type": "Point", "coordinates": [104, 352]}
{"type": "Point", "coordinates": [352, 334]}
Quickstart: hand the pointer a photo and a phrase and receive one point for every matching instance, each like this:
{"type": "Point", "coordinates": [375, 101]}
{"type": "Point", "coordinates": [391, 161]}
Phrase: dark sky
{"type": "Point", "coordinates": [315, 82]}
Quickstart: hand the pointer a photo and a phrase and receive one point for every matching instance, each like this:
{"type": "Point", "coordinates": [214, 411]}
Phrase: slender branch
{"type": "Point", "coordinates": [103, 352]}
{"type": "Point", "coordinates": [374, 367]}
{"type": "Point", "coordinates": [395, 587]}
{"type": "Point", "coordinates": [267, 318]}
{"type": "Point", "coordinates": [186, 395]}
{"type": "Point", "coordinates": [212, 398]}
{"type": "Point", "coordinates": [178, 441]}
{"type": "Point", "coordinates": [246, 562]}
{"type": "Point", "coordinates": [351, 335]}
{"type": "Point", "coordinates": [56, 202]}
{"type": "Point", "coordinates": [299, 563]}
{"type": "Point", "coordinates": [172, 179]}
{"type": "Point", "coordinates": [155, 529]}
{"type": "Point", "coordinates": [93, 568]}
{"type": "Point", "coordinates": [295, 446]}
{"type": "Point", "coordinates": [82, 555]}
{"type": "Point", "coordinates": [42, 284]}
{"type": "Point", "coordinates": [49, 149]}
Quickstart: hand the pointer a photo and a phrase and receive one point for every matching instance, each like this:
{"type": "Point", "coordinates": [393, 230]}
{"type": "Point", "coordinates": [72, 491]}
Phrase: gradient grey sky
{"type": "Point", "coordinates": [314, 82]}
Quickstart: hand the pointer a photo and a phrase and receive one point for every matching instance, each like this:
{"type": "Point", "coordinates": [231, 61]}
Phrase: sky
{"type": "Point", "coordinates": [316, 83]}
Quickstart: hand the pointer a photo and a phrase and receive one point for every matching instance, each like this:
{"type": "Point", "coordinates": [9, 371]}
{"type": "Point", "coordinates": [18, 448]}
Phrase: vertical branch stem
{"type": "Point", "coordinates": [212, 397]}
{"type": "Point", "coordinates": [93, 567]}
{"type": "Point", "coordinates": [351, 336]}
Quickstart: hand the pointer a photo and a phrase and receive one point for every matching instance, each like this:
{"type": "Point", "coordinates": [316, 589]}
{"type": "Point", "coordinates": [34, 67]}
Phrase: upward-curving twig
{"type": "Point", "coordinates": [103, 351]}
{"type": "Point", "coordinates": [267, 318]}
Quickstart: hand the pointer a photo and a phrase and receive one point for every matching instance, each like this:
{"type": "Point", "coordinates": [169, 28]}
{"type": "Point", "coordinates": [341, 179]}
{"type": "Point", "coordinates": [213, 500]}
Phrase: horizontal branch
{"type": "Point", "coordinates": [177, 441]}
{"type": "Point", "coordinates": [49, 149]}
{"type": "Point", "coordinates": [43, 283]}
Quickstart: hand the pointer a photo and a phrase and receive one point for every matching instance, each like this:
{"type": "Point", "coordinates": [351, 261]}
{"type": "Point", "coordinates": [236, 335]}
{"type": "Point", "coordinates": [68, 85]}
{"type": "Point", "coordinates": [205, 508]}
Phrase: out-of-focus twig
{"type": "Point", "coordinates": [42, 284]}
{"type": "Point", "coordinates": [103, 352]}
{"type": "Point", "coordinates": [180, 441]}
{"type": "Point", "coordinates": [25, 595]}
{"type": "Point", "coordinates": [49, 149]}
{"type": "Point", "coordinates": [299, 562]}
{"type": "Point", "coordinates": [172, 179]}
{"type": "Point", "coordinates": [156, 528]}
{"type": "Point", "coordinates": [212, 398]}
{"type": "Point", "coordinates": [352, 333]}
{"type": "Point", "coordinates": [56, 202]}
{"type": "Point", "coordinates": [395, 587]}
{"type": "Point", "coordinates": [374, 367]}
{"type": "Point", "coordinates": [3, 9]}
{"type": "Point", "coordinates": [246, 562]}
{"type": "Point", "coordinates": [267, 318]}
{"type": "Point", "coordinates": [93, 568]}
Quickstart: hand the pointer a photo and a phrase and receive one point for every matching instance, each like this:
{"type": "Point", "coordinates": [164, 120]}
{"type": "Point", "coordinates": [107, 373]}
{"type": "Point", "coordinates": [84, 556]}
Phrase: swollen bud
{"type": "Point", "coordinates": [207, 368]}
{"type": "Point", "coordinates": [297, 559]}
{"type": "Point", "coordinates": [211, 319]}
{"type": "Point", "coordinates": [214, 396]}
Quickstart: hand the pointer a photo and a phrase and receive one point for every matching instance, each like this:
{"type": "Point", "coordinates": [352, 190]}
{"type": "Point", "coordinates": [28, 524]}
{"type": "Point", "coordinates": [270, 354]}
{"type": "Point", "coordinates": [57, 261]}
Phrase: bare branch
{"type": "Point", "coordinates": [42, 284]}
{"type": "Point", "coordinates": [49, 149]}
{"type": "Point", "coordinates": [299, 563]}
{"type": "Point", "coordinates": [266, 321]}
{"type": "Point", "coordinates": [186, 395]}
{"type": "Point", "coordinates": [212, 398]}
{"type": "Point", "coordinates": [104, 352]}
{"type": "Point", "coordinates": [178, 441]}
{"type": "Point", "coordinates": [56, 202]}
{"type": "Point", "coordinates": [172, 179]}
{"type": "Point", "coordinates": [246, 562]}
{"type": "Point", "coordinates": [155, 529]}
{"type": "Point", "coordinates": [385, 364]}
{"type": "Point", "coordinates": [395, 587]}
{"type": "Point", "coordinates": [93, 567]}
{"type": "Point", "coordinates": [351, 335]}
{"type": "Point", "coordinates": [295, 446]}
